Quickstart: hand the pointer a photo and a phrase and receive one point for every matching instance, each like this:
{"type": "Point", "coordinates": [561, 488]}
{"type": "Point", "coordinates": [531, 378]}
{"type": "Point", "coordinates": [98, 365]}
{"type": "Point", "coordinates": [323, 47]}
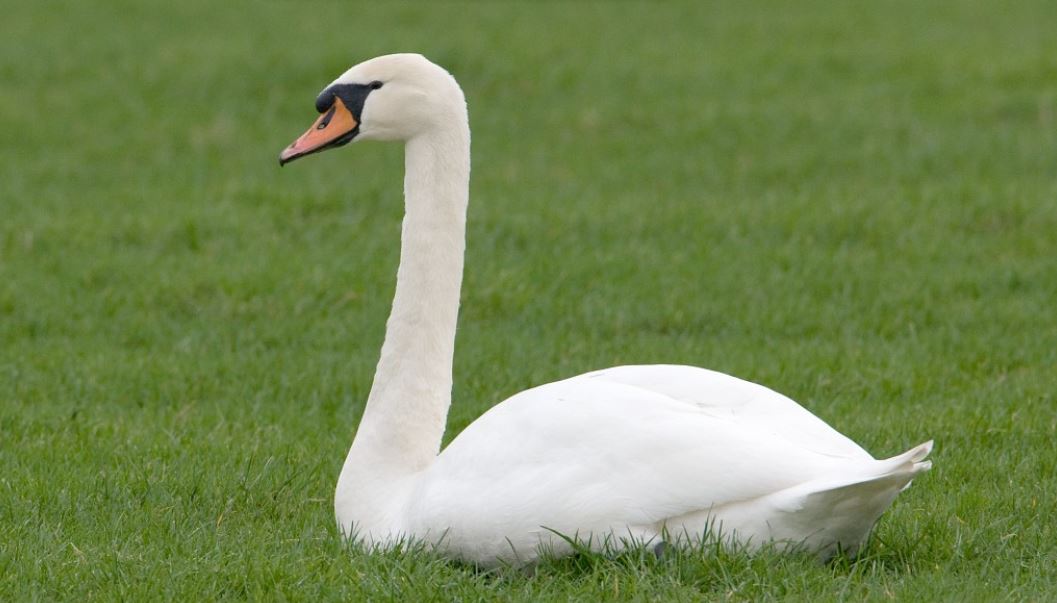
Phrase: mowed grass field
{"type": "Point", "coordinates": [852, 203]}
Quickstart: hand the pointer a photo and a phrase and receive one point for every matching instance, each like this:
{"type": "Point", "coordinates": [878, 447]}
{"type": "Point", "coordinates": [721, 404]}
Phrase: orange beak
{"type": "Point", "coordinates": [335, 127]}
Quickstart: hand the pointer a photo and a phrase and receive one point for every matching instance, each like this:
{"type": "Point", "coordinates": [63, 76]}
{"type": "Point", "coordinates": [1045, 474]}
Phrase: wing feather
{"type": "Point", "coordinates": [630, 446]}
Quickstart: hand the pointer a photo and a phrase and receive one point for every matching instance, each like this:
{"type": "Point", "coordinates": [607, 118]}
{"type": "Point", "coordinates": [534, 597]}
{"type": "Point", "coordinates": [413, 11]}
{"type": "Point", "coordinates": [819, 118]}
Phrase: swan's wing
{"type": "Point", "coordinates": [601, 451]}
{"type": "Point", "coordinates": [723, 396]}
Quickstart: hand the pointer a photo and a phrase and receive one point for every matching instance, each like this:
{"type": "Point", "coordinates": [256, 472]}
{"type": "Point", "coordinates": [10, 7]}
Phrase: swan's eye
{"type": "Point", "coordinates": [375, 85]}
{"type": "Point", "coordinates": [326, 118]}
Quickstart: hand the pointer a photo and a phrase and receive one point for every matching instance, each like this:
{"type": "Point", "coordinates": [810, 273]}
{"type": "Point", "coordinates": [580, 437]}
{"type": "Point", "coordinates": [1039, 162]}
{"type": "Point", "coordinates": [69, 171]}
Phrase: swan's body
{"type": "Point", "coordinates": [627, 454]}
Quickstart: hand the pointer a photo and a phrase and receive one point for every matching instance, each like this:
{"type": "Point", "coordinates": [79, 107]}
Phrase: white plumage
{"type": "Point", "coordinates": [637, 450]}
{"type": "Point", "coordinates": [631, 453]}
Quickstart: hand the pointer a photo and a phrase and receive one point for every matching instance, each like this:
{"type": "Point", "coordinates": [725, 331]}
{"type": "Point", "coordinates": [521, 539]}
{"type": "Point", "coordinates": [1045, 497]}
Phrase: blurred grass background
{"type": "Point", "coordinates": [852, 203]}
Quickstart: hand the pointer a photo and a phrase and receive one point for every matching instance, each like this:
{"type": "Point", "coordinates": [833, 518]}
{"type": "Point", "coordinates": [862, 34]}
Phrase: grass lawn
{"type": "Point", "coordinates": [852, 203]}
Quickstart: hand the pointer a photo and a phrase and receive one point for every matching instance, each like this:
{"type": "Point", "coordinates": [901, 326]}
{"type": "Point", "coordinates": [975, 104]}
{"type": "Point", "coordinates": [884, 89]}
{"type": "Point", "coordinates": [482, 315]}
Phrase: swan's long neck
{"type": "Point", "coordinates": [404, 419]}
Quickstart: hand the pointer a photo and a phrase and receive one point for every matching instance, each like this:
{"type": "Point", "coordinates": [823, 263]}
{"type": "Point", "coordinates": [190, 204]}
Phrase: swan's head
{"type": "Point", "coordinates": [391, 97]}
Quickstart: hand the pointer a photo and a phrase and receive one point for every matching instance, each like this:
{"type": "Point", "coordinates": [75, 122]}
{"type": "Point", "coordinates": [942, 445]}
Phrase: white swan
{"type": "Point", "coordinates": [631, 453]}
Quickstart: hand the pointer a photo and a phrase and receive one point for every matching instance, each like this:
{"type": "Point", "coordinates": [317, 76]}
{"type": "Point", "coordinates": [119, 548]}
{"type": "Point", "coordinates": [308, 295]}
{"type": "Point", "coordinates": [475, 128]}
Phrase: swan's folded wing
{"type": "Point", "coordinates": [724, 396]}
{"type": "Point", "coordinates": [591, 454]}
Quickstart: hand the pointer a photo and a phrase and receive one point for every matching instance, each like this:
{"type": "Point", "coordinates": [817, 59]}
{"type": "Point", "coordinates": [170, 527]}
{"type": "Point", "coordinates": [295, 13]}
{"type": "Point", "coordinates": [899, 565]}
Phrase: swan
{"type": "Point", "coordinates": [630, 454]}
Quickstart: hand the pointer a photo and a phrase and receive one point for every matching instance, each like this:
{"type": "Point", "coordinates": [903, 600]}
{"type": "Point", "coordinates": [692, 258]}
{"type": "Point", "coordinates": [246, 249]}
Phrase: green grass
{"type": "Point", "coordinates": [854, 204]}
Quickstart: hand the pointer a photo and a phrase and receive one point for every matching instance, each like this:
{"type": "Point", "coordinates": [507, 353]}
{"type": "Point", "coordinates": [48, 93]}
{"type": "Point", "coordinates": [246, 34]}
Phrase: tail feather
{"type": "Point", "coordinates": [849, 510]}
{"type": "Point", "coordinates": [915, 457]}
{"type": "Point", "coordinates": [825, 515]}
{"type": "Point", "coordinates": [912, 461]}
